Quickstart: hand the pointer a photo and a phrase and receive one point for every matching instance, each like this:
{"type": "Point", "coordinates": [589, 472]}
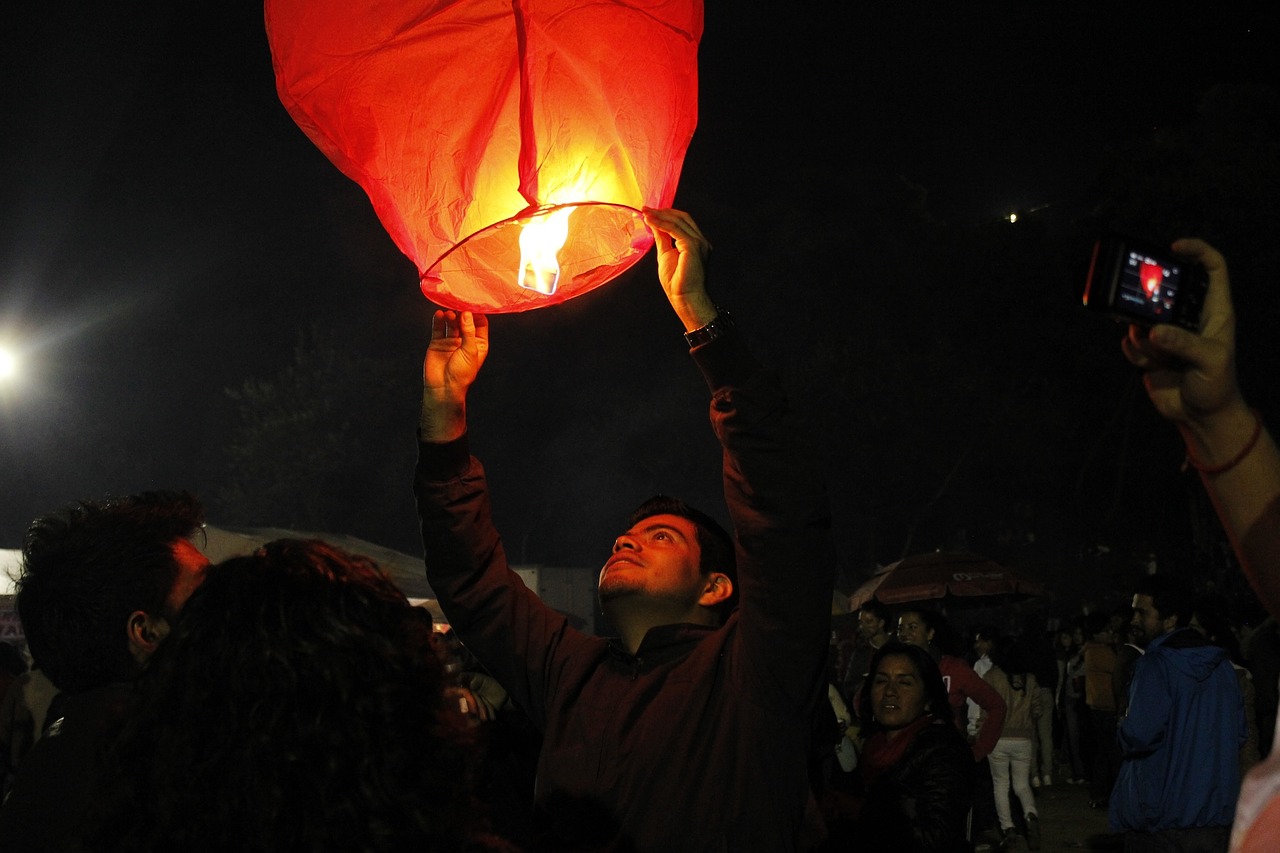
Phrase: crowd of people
{"type": "Point", "coordinates": [293, 699]}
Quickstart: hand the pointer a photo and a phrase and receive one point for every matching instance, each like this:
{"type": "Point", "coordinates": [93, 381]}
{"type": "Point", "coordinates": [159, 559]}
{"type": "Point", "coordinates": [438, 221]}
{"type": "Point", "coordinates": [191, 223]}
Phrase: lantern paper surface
{"type": "Point", "coordinates": [470, 123]}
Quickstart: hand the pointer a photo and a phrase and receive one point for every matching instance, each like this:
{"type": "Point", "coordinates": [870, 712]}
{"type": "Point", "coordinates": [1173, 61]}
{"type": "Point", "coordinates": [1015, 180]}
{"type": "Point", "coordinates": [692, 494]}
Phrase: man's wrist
{"type": "Point", "coordinates": [440, 422]}
{"type": "Point", "coordinates": [695, 310]}
{"type": "Point", "coordinates": [1216, 438]}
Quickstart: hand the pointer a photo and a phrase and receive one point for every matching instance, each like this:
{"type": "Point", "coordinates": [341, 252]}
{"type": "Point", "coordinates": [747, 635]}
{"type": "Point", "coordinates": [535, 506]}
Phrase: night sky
{"type": "Point", "coordinates": [169, 234]}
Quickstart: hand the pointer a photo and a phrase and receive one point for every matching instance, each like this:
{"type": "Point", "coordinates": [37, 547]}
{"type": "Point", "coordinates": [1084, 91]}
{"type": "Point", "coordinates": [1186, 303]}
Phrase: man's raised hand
{"type": "Point", "coordinates": [682, 253]}
{"type": "Point", "coordinates": [459, 345]}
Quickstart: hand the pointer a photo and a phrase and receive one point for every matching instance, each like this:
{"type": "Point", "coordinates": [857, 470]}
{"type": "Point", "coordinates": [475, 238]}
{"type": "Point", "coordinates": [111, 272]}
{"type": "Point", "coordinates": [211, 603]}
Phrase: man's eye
{"type": "Point", "coordinates": [661, 535]}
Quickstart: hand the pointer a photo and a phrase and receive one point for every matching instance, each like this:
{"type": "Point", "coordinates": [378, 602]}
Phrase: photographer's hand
{"type": "Point", "coordinates": [459, 345]}
{"type": "Point", "coordinates": [1191, 379]}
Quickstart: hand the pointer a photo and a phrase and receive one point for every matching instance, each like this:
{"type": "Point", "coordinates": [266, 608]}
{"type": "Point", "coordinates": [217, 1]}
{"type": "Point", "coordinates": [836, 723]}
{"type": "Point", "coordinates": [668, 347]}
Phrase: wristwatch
{"type": "Point", "coordinates": [719, 325]}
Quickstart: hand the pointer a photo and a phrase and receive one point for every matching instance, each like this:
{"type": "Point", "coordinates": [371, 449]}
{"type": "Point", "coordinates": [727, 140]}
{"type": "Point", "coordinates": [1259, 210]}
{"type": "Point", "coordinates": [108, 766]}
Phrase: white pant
{"type": "Point", "coordinates": [1015, 753]}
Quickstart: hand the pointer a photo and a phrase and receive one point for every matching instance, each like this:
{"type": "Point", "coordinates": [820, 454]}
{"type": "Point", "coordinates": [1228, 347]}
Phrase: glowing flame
{"type": "Point", "coordinates": [1151, 275]}
{"type": "Point", "coordinates": [540, 240]}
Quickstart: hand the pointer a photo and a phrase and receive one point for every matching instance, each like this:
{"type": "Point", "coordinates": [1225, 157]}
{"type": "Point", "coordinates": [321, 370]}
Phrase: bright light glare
{"type": "Point", "coordinates": [540, 239]}
{"type": "Point", "coordinates": [8, 364]}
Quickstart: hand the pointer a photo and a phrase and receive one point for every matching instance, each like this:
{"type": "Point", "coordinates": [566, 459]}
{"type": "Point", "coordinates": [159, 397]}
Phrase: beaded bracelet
{"type": "Point", "coordinates": [1235, 460]}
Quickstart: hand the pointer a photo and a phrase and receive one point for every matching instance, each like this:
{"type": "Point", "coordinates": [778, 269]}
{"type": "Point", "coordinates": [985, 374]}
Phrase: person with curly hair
{"type": "Point", "coordinates": [299, 706]}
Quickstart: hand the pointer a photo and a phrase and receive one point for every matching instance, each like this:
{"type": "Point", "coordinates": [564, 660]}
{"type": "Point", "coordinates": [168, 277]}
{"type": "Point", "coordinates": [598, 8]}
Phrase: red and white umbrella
{"type": "Point", "coordinates": [925, 577]}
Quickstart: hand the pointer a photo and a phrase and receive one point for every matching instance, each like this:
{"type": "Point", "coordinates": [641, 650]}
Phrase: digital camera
{"type": "Point", "coordinates": [1138, 282]}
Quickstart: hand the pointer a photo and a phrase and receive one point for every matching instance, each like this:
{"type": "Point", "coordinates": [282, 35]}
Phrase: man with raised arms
{"type": "Point", "coordinates": [690, 731]}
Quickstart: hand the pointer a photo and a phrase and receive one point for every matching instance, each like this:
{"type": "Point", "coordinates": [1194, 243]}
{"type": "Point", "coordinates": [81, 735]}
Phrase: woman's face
{"type": "Point", "coordinates": [897, 692]}
{"type": "Point", "coordinates": [912, 630]}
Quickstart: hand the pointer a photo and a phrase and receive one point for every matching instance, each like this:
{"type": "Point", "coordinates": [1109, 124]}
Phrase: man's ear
{"type": "Point", "coordinates": [145, 633]}
{"type": "Point", "coordinates": [718, 588]}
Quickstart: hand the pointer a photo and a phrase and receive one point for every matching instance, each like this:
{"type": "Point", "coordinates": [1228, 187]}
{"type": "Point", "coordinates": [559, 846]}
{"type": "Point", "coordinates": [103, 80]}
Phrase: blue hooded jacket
{"type": "Point", "coordinates": [1180, 739]}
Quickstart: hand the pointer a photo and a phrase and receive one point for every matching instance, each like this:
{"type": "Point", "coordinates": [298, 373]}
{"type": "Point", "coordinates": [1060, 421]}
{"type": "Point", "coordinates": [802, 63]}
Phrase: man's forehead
{"type": "Point", "coordinates": [675, 523]}
{"type": "Point", "coordinates": [1143, 602]}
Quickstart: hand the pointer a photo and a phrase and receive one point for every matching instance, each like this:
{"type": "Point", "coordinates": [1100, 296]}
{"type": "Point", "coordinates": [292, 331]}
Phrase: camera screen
{"type": "Point", "coordinates": [1147, 287]}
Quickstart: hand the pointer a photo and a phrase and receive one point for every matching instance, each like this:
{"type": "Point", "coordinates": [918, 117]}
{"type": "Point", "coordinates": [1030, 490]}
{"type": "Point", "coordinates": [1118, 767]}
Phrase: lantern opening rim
{"type": "Point", "coordinates": [532, 212]}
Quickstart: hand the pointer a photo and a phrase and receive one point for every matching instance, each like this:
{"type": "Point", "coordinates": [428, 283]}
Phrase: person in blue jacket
{"type": "Point", "coordinates": [1180, 740]}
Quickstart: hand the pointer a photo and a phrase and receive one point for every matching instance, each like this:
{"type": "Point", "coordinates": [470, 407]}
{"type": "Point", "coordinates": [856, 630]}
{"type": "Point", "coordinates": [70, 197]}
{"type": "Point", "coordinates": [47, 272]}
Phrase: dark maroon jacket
{"type": "Point", "coordinates": [699, 741]}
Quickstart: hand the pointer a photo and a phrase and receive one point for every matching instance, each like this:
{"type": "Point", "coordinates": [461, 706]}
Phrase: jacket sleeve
{"type": "Point", "coordinates": [504, 624]}
{"type": "Point", "coordinates": [993, 709]}
{"type": "Point", "coordinates": [944, 800]}
{"type": "Point", "coordinates": [775, 491]}
{"type": "Point", "coordinates": [1150, 707]}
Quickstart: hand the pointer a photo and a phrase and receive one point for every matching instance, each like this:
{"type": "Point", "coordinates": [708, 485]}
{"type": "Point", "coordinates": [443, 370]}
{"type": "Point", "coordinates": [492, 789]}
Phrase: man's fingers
{"type": "Point", "coordinates": [1219, 317]}
{"type": "Point", "coordinates": [677, 225]}
{"type": "Point", "coordinates": [1135, 352]}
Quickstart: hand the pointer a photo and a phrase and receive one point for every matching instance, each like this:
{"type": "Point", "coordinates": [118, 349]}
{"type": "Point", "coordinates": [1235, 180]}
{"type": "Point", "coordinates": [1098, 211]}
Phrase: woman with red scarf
{"type": "Point", "coordinates": [917, 770]}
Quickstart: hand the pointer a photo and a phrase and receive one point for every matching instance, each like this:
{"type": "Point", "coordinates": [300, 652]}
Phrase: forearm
{"type": "Point", "coordinates": [695, 310]}
{"type": "Point", "coordinates": [1247, 494]}
{"type": "Point", "coordinates": [496, 616]}
{"type": "Point", "coordinates": [777, 500]}
{"type": "Point", "coordinates": [441, 419]}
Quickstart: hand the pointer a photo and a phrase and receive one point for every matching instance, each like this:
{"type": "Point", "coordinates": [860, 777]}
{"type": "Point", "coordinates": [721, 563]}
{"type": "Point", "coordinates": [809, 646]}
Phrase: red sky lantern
{"type": "Point", "coordinates": [506, 145]}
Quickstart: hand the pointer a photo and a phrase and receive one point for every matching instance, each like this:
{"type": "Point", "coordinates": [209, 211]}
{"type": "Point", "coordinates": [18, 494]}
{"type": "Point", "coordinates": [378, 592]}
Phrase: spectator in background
{"type": "Point", "coordinates": [919, 628]}
{"type": "Point", "coordinates": [1042, 663]}
{"type": "Point", "coordinates": [1181, 739]}
{"type": "Point", "coordinates": [102, 584]}
{"type": "Point", "coordinates": [1262, 652]}
{"type": "Point", "coordinates": [873, 627]}
{"type": "Point", "coordinates": [298, 705]}
{"type": "Point", "coordinates": [12, 665]}
{"type": "Point", "coordinates": [916, 768]}
{"type": "Point", "coordinates": [1011, 758]}
{"type": "Point", "coordinates": [1071, 704]}
{"type": "Point", "coordinates": [1099, 665]}
{"type": "Point", "coordinates": [1209, 617]}
{"type": "Point", "coordinates": [1127, 653]}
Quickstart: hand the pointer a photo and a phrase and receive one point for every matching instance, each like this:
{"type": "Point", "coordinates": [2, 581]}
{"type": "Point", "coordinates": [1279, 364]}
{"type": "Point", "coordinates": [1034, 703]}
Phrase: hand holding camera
{"type": "Point", "coordinates": [1182, 326]}
{"type": "Point", "coordinates": [1190, 376]}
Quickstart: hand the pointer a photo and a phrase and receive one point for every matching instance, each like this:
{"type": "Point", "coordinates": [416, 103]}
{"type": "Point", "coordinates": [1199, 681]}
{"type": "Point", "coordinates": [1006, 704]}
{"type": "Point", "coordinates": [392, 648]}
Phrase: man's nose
{"type": "Point", "coordinates": [626, 540]}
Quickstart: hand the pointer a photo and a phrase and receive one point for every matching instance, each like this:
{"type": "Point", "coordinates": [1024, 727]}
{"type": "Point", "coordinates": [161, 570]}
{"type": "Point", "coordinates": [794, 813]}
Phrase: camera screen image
{"type": "Point", "coordinates": [1147, 287]}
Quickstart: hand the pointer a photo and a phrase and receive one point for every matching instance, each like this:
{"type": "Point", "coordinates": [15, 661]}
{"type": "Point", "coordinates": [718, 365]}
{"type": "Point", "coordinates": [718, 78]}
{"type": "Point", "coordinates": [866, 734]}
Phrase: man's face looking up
{"type": "Point", "coordinates": [658, 557]}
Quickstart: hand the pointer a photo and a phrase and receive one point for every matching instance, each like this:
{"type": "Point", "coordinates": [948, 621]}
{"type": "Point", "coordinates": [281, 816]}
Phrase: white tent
{"type": "Point", "coordinates": [10, 560]}
{"type": "Point", "coordinates": [407, 571]}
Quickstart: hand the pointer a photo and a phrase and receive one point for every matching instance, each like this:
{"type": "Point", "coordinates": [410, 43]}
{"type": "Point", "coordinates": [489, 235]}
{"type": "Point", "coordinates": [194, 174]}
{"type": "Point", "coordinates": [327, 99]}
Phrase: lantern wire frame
{"type": "Point", "coordinates": [479, 272]}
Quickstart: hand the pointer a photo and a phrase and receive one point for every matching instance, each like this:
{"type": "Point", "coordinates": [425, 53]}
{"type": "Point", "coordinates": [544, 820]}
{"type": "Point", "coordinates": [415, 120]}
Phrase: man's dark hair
{"type": "Point", "coordinates": [987, 633]}
{"type": "Point", "coordinates": [298, 705]}
{"type": "Point", "coordinates": [1168, 596]}
{"type": "Point", "coordinates": [935, 689]}
{"type": "Point", "coordinates": [1095, 622]}
{"type": "Point", "coordinates": [85, 568]}
{"type": "Point", "coordinates": [876, 608]}
{"type": "Point", "coordinates": [715, 545]}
